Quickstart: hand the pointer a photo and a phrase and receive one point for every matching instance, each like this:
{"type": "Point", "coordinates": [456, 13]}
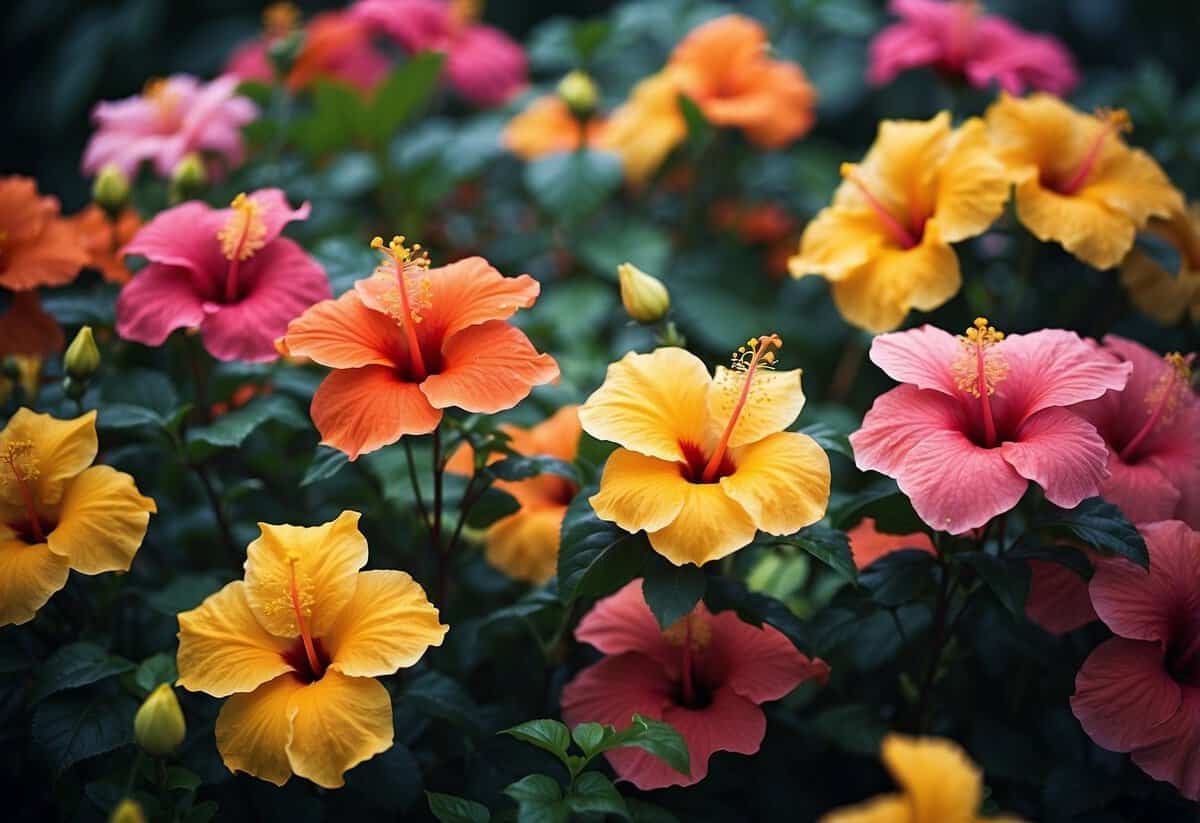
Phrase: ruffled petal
{"type": "Point", "coordinates": [758, 662]}
{"type": "Point", "coordinates": [922, 356]}
{"type": "Point", "coordinates": [1142, 491]}
{"type": "Point", "coordinates": [1062, 453]}
{"type": "Point", "coordinates": [1132, 183]}
{"type": "Point", "coordinates": [361, 410]}
{"type": "Point", "coordinates": [773, 403]}
{"type": "Point", "coordinates": [639, 492]}
{"type": "Point", "coordinates": [939, 780]}
{"type": "Point", "coordinates": [709, 526]}
{"type": "Point", "coordinates": [158, 300]}
{"type": "Point", "coordinates": [879, 295]}
{"type": "Point", "coordinates": [345, 334]}
{"type": "Point", "coordinates": [1123, 692]}
{"type": "Point", "coordinates": [337, 723]}
{"type": "Point", "coordinates": [897, 422]}
{"type": "Point", "coordinates": [837, 242]}
{"type": "Point", "coordinates": [1088, 229]}
{"type": "Point", "coordinates": [1174, 753]}
{"type": "Point", "coordinates": [29, 576]}
{"type": "Point", "coordinates": [524, 545]}
{"type": "Point", "coordinates": [388, 624]}
{"type": "Point", "coordinates": [781, 481]}
{"type": "Point", "coordinates": [61, 449]}
{"type": "Point", "coordinates": [488, 368]}
{"type": "Point", "coordinates": [1058, 598]}
{"type": "Point", "coordinates": [183, 237]}
{"type": "Point", "coordinates": [972, 185]}
{"type": "Point", "coordinates": [253, 730]}
{"type": "Point", "coordinates": [102, 521]}
{"type": "Point", "coordinates": [1049, 368]}
{"type": "Point", "coordinates": [730, 723]}
{"type": "Point", "coordinates": [623, 623]}
{"type": "Point", "coordinates": [470, 292]}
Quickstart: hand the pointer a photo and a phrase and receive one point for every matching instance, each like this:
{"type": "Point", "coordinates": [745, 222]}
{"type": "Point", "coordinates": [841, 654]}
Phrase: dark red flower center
{"type": "Point", "coordinates": [297, 657]}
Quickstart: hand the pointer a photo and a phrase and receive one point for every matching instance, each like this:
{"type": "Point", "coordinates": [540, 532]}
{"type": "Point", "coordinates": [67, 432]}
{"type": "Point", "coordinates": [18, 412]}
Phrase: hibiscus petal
{"type": "Point", "coordinates": [337, 723]}
{"type": "Point", "coordinates": [1122, 692]}
{"type": "Point", "coordinates": [781, 481]}
{"type": "Point", "coordinates": [879, 295]}
{"type": "Point", "coordinates": [469, 292]}
{"type": "Point", "coordinates": [29, 576]}
{"type": "Point", "coordinates": [639, 492]}
{"type": "Point", "coordinates": [61, 448]}
{"type": "Point", "coordinates": [360, 410]}
{"type": "Point", "coordinates": [345, 334]}
{"type": "Point", "coordinates": [622, 623]}
{"type": "Point", "coordinates": [488, 368]}
{"type": "Point", "coordinates": [972, 185]}
{"type": "Point", "coordinates": [1052, 367]}
{"type": "Point", "coordinates": [921, 356]}
{"type": "Point", "coordinates": [27, 328]}
{"type": "Point", "coordinates": [868, 544]}
{"type": "Point", "coordinates": [1143, 491]}
{"type": "Point", "coordinates": [158, 300]}
{"type": "Point", "coordinates": [1058, 598]}
{"type": "Point", "coordinates": [183, 237]}
{"type": "Point", "coordinates": [524, 545]}
{"type": "Point", "coordinates": [1062, 453]}
{"type": "Point", "coordinates": [773, 403]}
{"type": "Point", "coordinates": [897, 421]}
{"type": "Point", "coordinates": [758, 662]}
{"type": "Point", "coordinates": [1174, 754]}
{"type": "Point", "coordinates": [102, 521]}
{"type": "Point", "coordinates": [1089, 229]}
{"type": "Point", "coordinates": [253, 730]}
{"type": "Point", "coordinates": [730, 723]}
{"type": "Point", "coordinates": [387, 625]}
{"type": "Point", "coordinates": [709, 526]}
{"type": "Point", "coordinates": [939, 780]}
{"type": "Point", "coordinates": [837, 242]}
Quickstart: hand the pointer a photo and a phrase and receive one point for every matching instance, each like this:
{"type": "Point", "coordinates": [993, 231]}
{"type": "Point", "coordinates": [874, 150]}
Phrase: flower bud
{"type": "Point", "coordinates": [189, 179]}
{"type": "Point", "coordinates": [646, 298]}
{"type": "Point", "coordinates": [158, 725]}
{"type": "Point", "coordinates": [110, 190]}
{"type": "Point", "coordinates": [82, 357]}
{"type": "Point", "coordinates": [579, 92]}
{"type": "Point", "coordinates": [127, 811]}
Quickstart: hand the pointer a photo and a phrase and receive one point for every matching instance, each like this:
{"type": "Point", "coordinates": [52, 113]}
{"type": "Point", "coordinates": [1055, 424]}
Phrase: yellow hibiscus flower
{"type": "Point", "coordinates": [884, 243]}
{"type": "Point", "coordinates": [647, 127]}
{"type": "Point", "coordinates": [939, 784]}
{"type": "Point", "coordinates": [296, 648]}
{"type": "Point", "coordinates": [1077, 183]}
{"type": "Point", "coordinates": [704, 461]}
{"type": "Point", "coordinates": [1155, 291]}
{"type": "Point", "coordinates": [58, 512]}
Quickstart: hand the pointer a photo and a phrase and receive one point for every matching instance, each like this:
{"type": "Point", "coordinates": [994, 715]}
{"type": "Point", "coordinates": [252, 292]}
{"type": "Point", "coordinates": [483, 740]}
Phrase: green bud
{"type": "Point", "coordinates": [127, 811]}
{"type": "Point", "coordinates": [646, 299]}
{"type": "Point", "coordinates": [189, 179]}
{"type": "Point", "coordinates": [158, 726]}
{"type": "Point", "coordinates": [579, 92]}
{"type": "Point", "coordinates": [110, 190]}
{"type": "Point", "coordinates": [82, 357]}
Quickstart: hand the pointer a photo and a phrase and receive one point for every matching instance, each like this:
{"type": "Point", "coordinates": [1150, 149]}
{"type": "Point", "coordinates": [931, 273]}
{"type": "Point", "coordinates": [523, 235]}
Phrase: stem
{"type": "Point", "coordinates": [471, 496]}
{"type": "Point", "coordinates": [133, 771]}
{"type": "Point", "coordinates": [201, 409]}
{"type": "Point", "coordinates": [435, 525]}
{"type": "Point", "coordinates": [218, 510]}
{"type": "Point", "coordinates": [416, 484]}
{"type": "Point", "coordinates": [937, 646]}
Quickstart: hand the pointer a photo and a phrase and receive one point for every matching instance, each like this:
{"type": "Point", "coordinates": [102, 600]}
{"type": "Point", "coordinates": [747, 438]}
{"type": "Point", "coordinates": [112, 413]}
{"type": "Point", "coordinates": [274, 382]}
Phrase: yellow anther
{"type": "Point", "coordinates": [1116, 119]}
{"type": "Point", "coordinates": [693, 626]}
{"type": "Point", "coordinates": [758, 352]}
{"type": "Point", "coordinates": [245, 232]}
{"type": "Point", "coordinates": [980, 367]}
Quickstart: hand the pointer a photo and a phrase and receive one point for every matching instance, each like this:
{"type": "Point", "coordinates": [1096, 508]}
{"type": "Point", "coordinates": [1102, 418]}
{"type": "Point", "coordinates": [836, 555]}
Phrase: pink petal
{"type": "Point", "coordinates": [274, 210]}
{"type": "Point", "coordinates": [1122, 692]}
{"type": "Point", "coordinates": [760, 664]}
{"type": "Point", "coordinates": [897, 48]}
{"type": "Point", "coordinates": [1060, 452]}
{"type": "Point", "coordinates": [731, 723]}
{"type": "Point", "coordinates": [921, 356]}
{"type": "Point", "coordinates": [186, 236]}
{"type": "Point", "coordinates": [1050, 368]}
{"type": "Point", "coordinates": [897, 421]}
{"type": "Point", "coordinates": [1174, 756]}
{"type": "Point", "coordinates": [486, 66]}
{"type": "Point", "coordinates": [1141, 491]}
{"type": "Point", "coordinates": [622, 622]}
{"type": "Point", "coordinates": [1058, 598]}
{"type": "Point", "coordinates": [249, 62]}
{"type": "Point", "coordinates": [158, 300]}
{"type": "Point", "coordinates": [418, 25]}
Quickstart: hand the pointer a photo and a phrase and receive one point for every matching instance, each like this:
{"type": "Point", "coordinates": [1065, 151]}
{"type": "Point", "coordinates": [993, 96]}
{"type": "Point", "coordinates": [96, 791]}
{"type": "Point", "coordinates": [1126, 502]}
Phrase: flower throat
{"type": "Point", "coordinates": [244, 233]}
{"type": "Point", "coordinates": [18, 459]}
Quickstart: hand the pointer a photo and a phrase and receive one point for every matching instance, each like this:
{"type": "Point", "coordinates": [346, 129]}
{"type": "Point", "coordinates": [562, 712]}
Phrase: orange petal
{"type": "Point", "coordinates": [337, 723]}
{"type": "Point", "coordinates": [470, 292]}
{"type": "Point", "coordinates": [345, 334]}
{"type": "Point", "coordinates": [488, 368]}
{"type": "Point", "coordinates": [361, 410]}
{"type": "Point", "coordinates": [709, 526]}
{"type": "Point", "coordinates": [639, 492]}
{"type": "Point", "coordinates": [525, 545]}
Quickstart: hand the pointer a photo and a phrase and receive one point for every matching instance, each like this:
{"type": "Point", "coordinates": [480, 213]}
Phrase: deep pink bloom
{"type": "Point", "coordinates": [1152, 429]}
{"type": "Point", "coordinates": [483, 64]}
{"type": "Point", "coordinates": [1139, 692]}
{"type": "Point", "coordinates": [224, 271]}
{"type": "Point", "coordinates": [171, 118]}
{"type": "Point", "coordinates": [706, 676]}
{"type": "Point", "coordinates": [980, 415]}
{"type": "Point", "coordinates": [956, 39]}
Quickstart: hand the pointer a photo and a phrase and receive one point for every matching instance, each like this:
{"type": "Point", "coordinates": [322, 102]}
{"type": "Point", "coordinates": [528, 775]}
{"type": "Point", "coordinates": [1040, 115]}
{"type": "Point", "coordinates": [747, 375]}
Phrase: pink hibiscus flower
{"type": "Point", "coordinates": [956, 39]}
{"type": "Point", "coordinates": [483, 64]}
{"type": "Point", "coordinates": [980, 415]}
{"type": "Point", "coordinates": [1058, 598]}
{"type": "Point", "coordinates": [170, 119]}
{"type": "Point", "coordinates": [707, 676]}
{"type": "Point", "coordinates": [1139, 692]}
{"type": "Point", "coordinates": [1152, 429]}
{"type": "Point", "coordinates": [226, 272]}
{"type": "Point", "coordinates": [868, 544]}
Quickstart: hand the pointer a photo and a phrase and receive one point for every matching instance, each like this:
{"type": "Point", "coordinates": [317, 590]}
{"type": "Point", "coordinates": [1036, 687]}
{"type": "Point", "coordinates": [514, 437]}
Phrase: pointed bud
{"type": "Point", "coordinates": [82, 357]}
{"type": "Point", "coordinates": [158, 725]}
{"type": "Point", "coordinates": [189, 179]}
{"type": "Point", "coordinates": [110, 190]}
{"type": "Point", "coordinates": [646, 298]}
{"type": "Point", "coordinates": [127, 811]}
{"type": "Point", "coordinates": [579, 92]}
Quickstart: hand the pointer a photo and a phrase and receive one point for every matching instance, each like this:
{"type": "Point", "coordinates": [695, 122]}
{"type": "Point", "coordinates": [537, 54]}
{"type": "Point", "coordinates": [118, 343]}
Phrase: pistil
{"type": "Point", "coordinates": [1114, 122]}
{"type": "Point", "coordinates": [980, 369]}
{"type": "Point", "coordinates": [903, 236]}
{"type": "Point", "coordinates": [13, 455]}
{"type": "Point", "coordinates": [404, 259]}
{"type": "Point", "coordinates": [1164, 398]}
{"type": "Point", "coordinates": [310, 649]}
{"type": "Point", "coordinates": [761, 353]}
{"type": "Point", "coordinates": [244, 233]}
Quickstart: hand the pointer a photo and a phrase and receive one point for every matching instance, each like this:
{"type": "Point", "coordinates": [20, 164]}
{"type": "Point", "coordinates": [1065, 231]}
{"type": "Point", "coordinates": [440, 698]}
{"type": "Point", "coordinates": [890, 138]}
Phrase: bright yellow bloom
{"type": "Point", "coordinates": [1077, 183]}
{"type": "Point", "coordinates": [1164, 296]}
{"type": "Point", "coordinates": [939, 784]}
{"type": "Point", "coordinates": [705, 462]}
{"type": "Point", "coordinates": [296, 647]}
{"type": "Point", "coordinates": [884, 243]}
{"type": "Point", "coordinates": [650, 124]}
{"type": "Point", "coordinates": [59, 512]}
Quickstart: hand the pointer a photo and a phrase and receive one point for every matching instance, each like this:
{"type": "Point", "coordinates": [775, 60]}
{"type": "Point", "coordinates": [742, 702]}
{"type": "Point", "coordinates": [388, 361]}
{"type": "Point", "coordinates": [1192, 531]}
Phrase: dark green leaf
{"type": "Point", "coordinates": [571, 185]}
{"type": "Point", "coordinates": [1006, 577]}
{"type": "Point", "coordinates": [184, 592]}
{"type": "Point", "coordinates": [539, 800]}
{"type": "Point", "coordinates": [450, 809]}
{"type": "Point", "coordinates": [326, 462]}
{"type": "Point", "coordinates": [492, 505]}
{"type": "Point", "coordinates": [522, 467]}
{"type": "Point", "coordinates": [672, 591]}
{"type": "Point", "coordinates": [550, 735]}
{"type": "Point", "coordinates": [883, 501]}
{"type": "Point", "coordinates": [75, 665]}
{"type": "Point", "coordinates": [642, 812]}
{"type": "Point", "coordinates": [337, 117]}
{"type": "Point", "coordinates": [1099, 525]}
{"type": "Point", "coordinates": [154, 670]}
{"type": "Point", "coordinates": [700, 131]}
{"type": "Point", "coordinates": [405, 91]}
{"type": "Point", "coordinates": [899, 577]}
{"type": "Point", "coordinates": [124, 416]}
{"type": "Point", "coordinates": [182, 779]}
{"type": "Point", "coordinates": [726, 594]}
{"type": "Point", "coordinates": [437, 695]}
{"type": "Point", "coordinates": [830, 439]}
{"type": "Point", "coordinates": [74, 727]}
{"type": "Point", "coordinates": [851, 727]}
{"type": "Point", "coordinates": [232, 429]}
{"type": "Point", "coordinates": [594, 793]}
{"type": "Point", "coordinates": [830, 546]}
{"type": "Point", "coordinates": [589, 736]}
{"type": "Point", "coordinates": [1068, 556]}
{"type": "Point", "coordinates": [595, 557]}
{"type": "Point", "coordinates": [656, 737]}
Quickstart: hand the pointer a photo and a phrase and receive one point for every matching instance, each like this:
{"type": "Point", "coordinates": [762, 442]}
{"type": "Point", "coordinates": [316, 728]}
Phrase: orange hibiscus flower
{"type": "Point", "coordinates": [103, 239]}
{"type": "Point", "coordinates": [410, 341]}
{"type": "Point", "coordinates": [547, 126]}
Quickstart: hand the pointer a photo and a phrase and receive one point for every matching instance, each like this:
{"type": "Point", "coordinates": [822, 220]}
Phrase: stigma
{"type": "Point", "coordinates": [980, 367]}
{"type": "Point", "coordinates": [245, 231]}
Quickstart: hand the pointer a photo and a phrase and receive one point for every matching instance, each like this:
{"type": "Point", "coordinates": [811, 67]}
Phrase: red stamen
{"type": "Point", "coordinates": [989, 422]}
{"type": "Point", "coordinates": [1180, 373]}
{"type": "Point", "coordinates": [35, 523]}
{"type": "Point", "coordinates": [895, 228]}
{"type": "Point", "coordinates": [1114, 121]}
{"type": "Point", "coordinates": [764, 346]}
{"type": "Point", "coordinates": [310, 649]}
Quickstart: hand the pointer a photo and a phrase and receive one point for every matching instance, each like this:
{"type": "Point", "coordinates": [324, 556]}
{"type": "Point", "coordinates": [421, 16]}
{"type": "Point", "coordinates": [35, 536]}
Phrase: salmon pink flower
{"type": "Point", "coordinates": [297, 647]}
{"type": "Point", "coordinates": [227, 272]}
{"type": "Point", "coordinates": [705, 462]}
{"type": "Point", "coordinates": [483, 64]}
{"type": "Point", "coordinates": [1152, 428]}
{"type": "Point", "coordinates": [1139, 692]}
{"type": "Point", "coordinates": [957, 40]}
{"type": "Point", "coordinates": [981, 415]}
{"type": "Point", "coordinates": [410, 341]}
{"type": "Point", "coordinates": [868, 544]}
{"type": "Point", "coordinates": [170, 119]}
{"type": "Point", "coordinates": [1167, 296]}
{"type": "Point", "coordinates": [707, 676]}
{"type": "Point", "coordinates": [1058, 598]}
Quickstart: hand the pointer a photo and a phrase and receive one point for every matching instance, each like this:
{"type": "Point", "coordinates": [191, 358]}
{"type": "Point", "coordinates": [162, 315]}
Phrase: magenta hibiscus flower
{"type": "Point", "coordinates": [1139, 692]}
{"type": "Point", "coordinates": [955, 39]}
{"type": "Point", "coordinates": [483, 64]}
{"type": "Point", "coordinates": [170, 119]}
{"type": "Point", "coordinates": [706, 676]}
{"type": "Point", "coordinates": [980, 415]}
{"type": "Point", "coordinates": [226, 272]}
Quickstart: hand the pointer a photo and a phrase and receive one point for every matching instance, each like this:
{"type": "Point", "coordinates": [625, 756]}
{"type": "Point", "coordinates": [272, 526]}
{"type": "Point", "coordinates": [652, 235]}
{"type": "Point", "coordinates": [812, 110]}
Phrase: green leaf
{"type": "Point", "coordinates": [1006, 577]}
{"type": "Point", "coordinates": [700, 131]}
{"type": "Point", "coordinates": [656, 737]}
{"type": "Point", "coordinates": [182, 779]}
{"type": "Point", "coordinates": [898, 577]}
{"type": "Point", "coordinates": [883, 501]}
{"type": "Point", "coordinates": [830, 546]}
{"type": "Point", "coordinates": [625, 240]}
{"type": "Point", "coordinates": [345, 260]}
{"type": "Point", "coordinates": [450, 809]}
{"type": "Point", "coordinates": [595, 794]}
{"type": "Point", "coordinates": [595, 557]}
{"type": "Point", "coordinates": [154, 670]}
{"type": "Point", "coordinates": [232, 429]}
{"type": "Point", "coordinates": [202, 812]}
{"type": "Point", "coordinates": [830, 439]}
{"type": "Point", "coordinates": [75, 665]}
{"type": "Point", "coordinates": [126, 416]}
{"type": "Point", "coordinates": [539, 800]}
{"type": "Point", "coordinates": [326, 462]}
{"type": "Point", "coordinates": [436, 694]}
{"type": "Point", "coordinates": [523, 467]}
{"type": "Point", "coordinates": [571, 185]}
{"type": "Point", "coordinates": [672, 591]}
{"type": "Point", "coordinates": [851, 727]}
{"type": "Point", "coordinates": [337, 117]}
{"type": "Point", "coordinates": [492, 505]}
{"type": "Point", "coordinates": [726, 594]}
{"type": "Point", "coordinates": [589, 736]}
{"type": "Point", "coordinates": [185, 591]}
{"type": "Point", "coordinates": [405, 91]}
{"type": "Point", "coordinates": [550, 735]}
{"type": "Point", "coordinates": [1072, 558]}
{"type": "Point", "coordinates": [642, 812]}
{"type": "Point", "coordinates": [71, 728]}
{"type": "Point", "coordinates": [1100, 525]}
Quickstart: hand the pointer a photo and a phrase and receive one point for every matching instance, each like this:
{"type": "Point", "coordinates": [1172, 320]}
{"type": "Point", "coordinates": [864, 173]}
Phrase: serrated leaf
{"type": "Point", "coordinates": [326, 462]}
{"type": "Point", "coordinates": [75, 665]}
{"type": "Point", "coordinates": [1100, 525]}
{"type": "Point", "coordinates": [550, 735]}
{"type": "Point", "coordinates": [595, 794]}
{"type": "Point", "coordinates": [830, 546]}
{"type": "Point", "coordinates": [672, 591]}
{"type": "Point", "coordinates": [595, 557]}
{"type": "Point", "coordinates": [570, 185]}
{"type": "Point", "coordinates": [74, 727]}
{"type": "Point", "coordinates": [232, 429]}
{"type": "Point", "coordinates": [450, 809]}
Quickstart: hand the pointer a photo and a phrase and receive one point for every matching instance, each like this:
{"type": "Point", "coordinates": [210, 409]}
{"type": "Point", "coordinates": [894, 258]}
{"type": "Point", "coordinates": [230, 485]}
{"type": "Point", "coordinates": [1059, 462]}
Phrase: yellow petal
{"type": "Point", "coordinates": [1131, 182]}
{"type": "Point", "coordinates": [782, 482]}
{"type": "Point", "coordinates": [102, 521]}
{"type": "Point", "coordinates": [639, 492]}
{"type": "Point", "coordinates": [61, 449]}
{"type": "Point", "coordinates": [939, 780]}
{"type": "Point", "coordinates": [337, 723]}
{"type": "Point", "coordinates": [650, 402]}
{"type": "Point", "coordinates": [879, 295]}
{"type": "Point", "coordinates": [900, 168]}
{"type": "Point", "coordinates": [1156, 292]}
{"type": "Point", "coordinates": [773, 404]}
{"type": "Point", "coordinates": [29, 575]}
{"type": "Point", "coordinates": [645, 130]}
{"type": "Point", "coordinates": [524, 545]}
{"type": "Point", "coordinates": [253, 730]}
{"type": "Point", "coordinates": [836, 242]}
{"type": "Point", "coordinates": [709, 526]}
{"type": "Point", "coordinates": [387, 625]}
{"type": "Point", "coordinates": [972, 185]}
{"type": "Point", "coordinates": [1088, 229]}
{"type": "Point", "coordinates": [326, 560]}
{"type": "Point", "coordinates": [888, 808]}
{"type": "Point", "coordinates": [222, 647]}
{"type": "Point", "coordinates": [1038, 135]}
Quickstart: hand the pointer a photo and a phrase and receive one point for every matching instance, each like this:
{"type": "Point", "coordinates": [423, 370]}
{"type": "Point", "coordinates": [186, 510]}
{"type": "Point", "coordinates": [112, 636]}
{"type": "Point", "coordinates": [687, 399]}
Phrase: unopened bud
{"type": "Point", "coordinates": [579, 92]}
{"type": "Point", "coordinates": [127, 811]}
{"type": "Point", "coordinates": [82, 357]}
{"type": "Point", "coordinates": [158, 726]}
{"type": "Point", "coordinates": [189, 179]}
{"type": "Point", "coordinates": [646, 298]}
{"type": "Point", "coordinates": [110, 190]}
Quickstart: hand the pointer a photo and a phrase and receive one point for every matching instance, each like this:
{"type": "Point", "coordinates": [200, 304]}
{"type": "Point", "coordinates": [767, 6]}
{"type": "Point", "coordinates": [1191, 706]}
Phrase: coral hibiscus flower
{"type": "Point", "coordinates": [868, 543]}
{"type": "Point", "coordinates": [547, 126]}
{"type": "Point", "coordinates": [169, 120]}
{"type": "Point", "coordinates": [647, 127]}
{"type": "Point", "coordinates": [707, 676]}
{"type": "Point", "coordinates": [411, 341]}
{"type": "Point", "coordinates": [104, 239]}
{"type": "Point", "coordinates": [884, 243]}
{"type": "Point", "coordinates": [27, 329]}
{"type": "Point", "coordinates": [1139, 692]}
{"type": "Point", "coordinates": [524, 545]}
{"type": "Point", "coordinates": [296, 648]}
{"type": "Point", "coordinates": [939, 784]}
{"type": "Point", "coordinates": [1077, 183]}
{"type": "Point", "coordinates": [58, 512]}
{"type": "Point", "coordinates": [37, 246]}
{"type": "Point", "coordinates": [724, 68]}
{"type": "Point", "coordinates": [483, 64]}
{"type": "Point", "coordinates": [982, 405]}
{"type": "Point", "coordinates": [227, 272]}
{"type": "Point", "coordinates": [1168, 297]}
{"type": "Point", "coordinates": [1152, 428]}
{"type": "Point", "coordinates": [704, 461]}
{"type": "Point", "coordinates": [958, 41]}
